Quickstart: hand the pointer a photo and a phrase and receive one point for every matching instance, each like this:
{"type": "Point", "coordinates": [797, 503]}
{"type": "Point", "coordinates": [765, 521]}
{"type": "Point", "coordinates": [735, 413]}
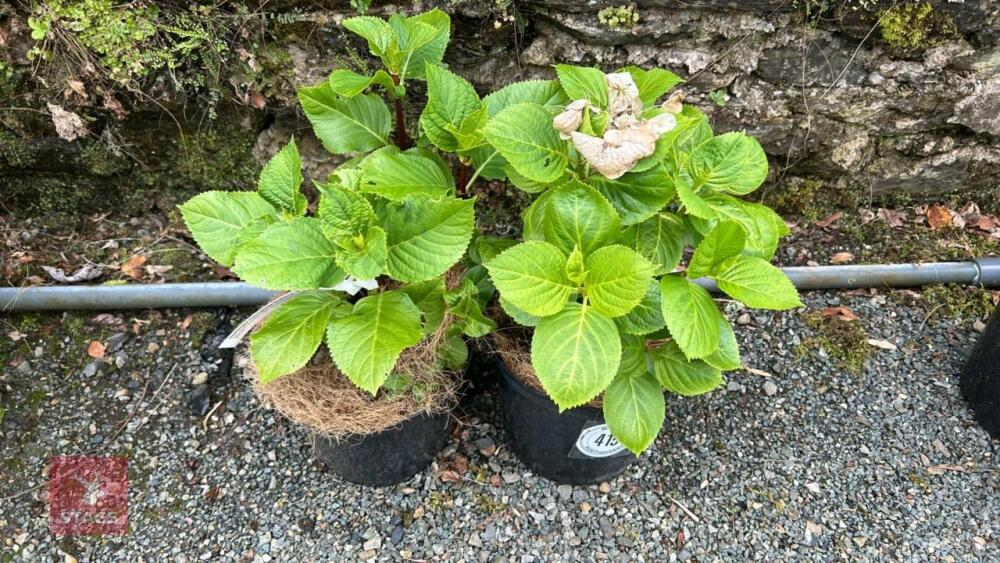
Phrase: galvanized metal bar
{"type": "Point", "coordinates": [983, 271]}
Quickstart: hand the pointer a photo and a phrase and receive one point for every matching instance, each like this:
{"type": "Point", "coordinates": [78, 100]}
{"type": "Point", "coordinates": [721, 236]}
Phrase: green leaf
{"type": "Point", "coordinates": [368, 261]}
{"type": "Point", "coordinates": [693, 202]}
{"type": "Point", "coordinates": [215, 219]}
{"type": "Point", "coordinates": [575, 354]}
{"type": "Point", "coordinates": [343, 213]}
{"type": "Point", "coordinates": [692, 130]}
{"type": "Point", "coordinates": [660, 239]}
{"type": "Point", "coordinates": [534, 217]}
{"type": "Point", "coordinates": [763, 226]}
{"type": "Point", "coordinates": [420, 50]}
{"type": "Point", "coordinates": [723, 242]}
{"type": "Point", "coordinates": [485, 248]}
{"type": "Point", "coordinates": [281, 179]}
{"type": "Point", "coordinates": [756, 283]}
{"type": "Point", "coordinates": [546, 93]}
{"type": "Point", "coordinates": [374, 30]}
{"type": "Point", "coordinates": [252, 231]}
{"type": "Point", "coordinates": [488, 160]}
{"type": "Point", "coordinates": [691, 316]}
{"type": "Point", "coordinates": [521, 317]}
{"type": "Point", "coordinates": [581, 83]}
{"type": "Point", "coordinates": [634, 361]}
{"type": "Point", "coordinates": [346, 125]}
{"type": "Point", "coordinates": [291, 334]}
{"type": "Point", "coordinates": [454, 353]}
{"type": "Point", "coordinates": [727, 357]}
{"type": "Point", "coordinates": [652, 83]}
{"type": "Point", "coordinates": [531, 276]}
{"type": "Point", "coordinates": [524, 135]}
{"type": "Point", "coordinates": [731, 162]}
{"type": "Point", "coordinates": [450, 100]}
{"type": "Point", "coordinates": [428, 296]}
{"type": "Point", "coordinates": [682, 376]}
{"type": "Point", "coordinates": [634, 409]}
{"type": "Point", "coordinates": [366, 343]}
{"type": "Point", "coordinates": [636, 195]}
{"type": "Point", "coordinates": [427, 236]}
{"type": "Point", "coordinates": [646, 317]}
{"type": "Point", "coordinates": [399, 176]}
{"type": "Point", "coordinates": [463, 304]}
{"type": "Point", "coordinates": [575, 270]}
{"type": "Point", "coordinates": [289, 255]}
{"type": "Point", "coordinates": [577, 216]}
{"type": "Point", "coordinates": [617, 279]}
{"type": "Point", "coordinates": [348, 83]}
{"type": "Point", "coordinates": [527, 184]}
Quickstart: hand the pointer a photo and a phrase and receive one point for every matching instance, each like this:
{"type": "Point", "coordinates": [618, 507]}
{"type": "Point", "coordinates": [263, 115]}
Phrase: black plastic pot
{"type": "Point", "coordinates": [387, 457]}
{"type": "Point", "coordinates": [573, 447]}
{"type": "Point", "coordinates": [980, 379]}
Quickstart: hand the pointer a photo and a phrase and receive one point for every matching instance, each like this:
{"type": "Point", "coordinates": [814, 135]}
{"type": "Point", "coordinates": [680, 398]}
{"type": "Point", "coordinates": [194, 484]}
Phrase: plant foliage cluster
{"type": "Point", "coordinates": [623, 189]}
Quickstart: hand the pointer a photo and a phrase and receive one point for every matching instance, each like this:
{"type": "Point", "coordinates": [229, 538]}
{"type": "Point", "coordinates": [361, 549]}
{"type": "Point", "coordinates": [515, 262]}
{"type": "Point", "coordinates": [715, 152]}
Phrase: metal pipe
{"type": "Point", "coordinates": [982, 271]}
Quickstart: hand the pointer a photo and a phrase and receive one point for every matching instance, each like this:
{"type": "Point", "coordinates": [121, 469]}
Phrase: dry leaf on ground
{"type": "Point", "coordinates": [69, 126]}
{"type": "Point", "coordinates": [86, 273]}
{"type": "Point", "coordinates": [842, 258]}
{"type": "Point", "coordinates": [829, 220]}
{"type": "Point", "coordinates": [939, 469]}
{"type": "Point", "coordinates": [841, 312]}
{"type": "Point", "coordinates": [893, 217]}
{"type": "Point", "coordinates": [883, 344]}
{"type": "Point", "coordinates": [95, 350]}
{"type": "Point", "coordinates": [938, 216]}
{"type": "Point", "coordinates": [133, 266]}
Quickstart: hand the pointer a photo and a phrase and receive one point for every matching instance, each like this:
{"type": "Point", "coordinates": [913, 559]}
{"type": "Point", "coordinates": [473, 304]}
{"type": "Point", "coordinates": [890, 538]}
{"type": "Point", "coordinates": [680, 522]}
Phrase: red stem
{"type": "Point", "coordinates": [402, 140]}
{"type": "Point", "coordinates": [463, 178]}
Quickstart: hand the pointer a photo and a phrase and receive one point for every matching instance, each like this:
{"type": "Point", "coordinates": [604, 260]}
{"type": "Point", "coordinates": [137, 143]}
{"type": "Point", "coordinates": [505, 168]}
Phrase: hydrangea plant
{"type": "Point", "coordinates": [366, 265]}
{"type": "Point", "coordinates": [624, 187]}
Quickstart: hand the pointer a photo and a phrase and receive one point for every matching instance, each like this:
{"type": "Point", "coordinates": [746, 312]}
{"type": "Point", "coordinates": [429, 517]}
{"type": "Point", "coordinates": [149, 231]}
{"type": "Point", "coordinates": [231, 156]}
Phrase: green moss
{"type": "Point", "coordinates": [618, 17]}
{"type": "Point", "coordinates": [878, 242]}
{"type": "Point", "coordinates": [809, 199]}
{"type": "Point", "coordinates": [101, 160]}
{"type": "Point", "coordinates": [915, 25]}
{"type": "Point", "coordinates": [490, 505]}
{"type": "Point", "coordinates": [845, 341]}
{"type": "Point", "coordinates": [951, 301]}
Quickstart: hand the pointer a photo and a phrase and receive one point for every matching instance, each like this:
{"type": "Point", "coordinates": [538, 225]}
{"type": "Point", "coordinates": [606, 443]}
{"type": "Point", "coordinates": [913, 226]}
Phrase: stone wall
{"type": "Point", "coordinates": [859, 95]}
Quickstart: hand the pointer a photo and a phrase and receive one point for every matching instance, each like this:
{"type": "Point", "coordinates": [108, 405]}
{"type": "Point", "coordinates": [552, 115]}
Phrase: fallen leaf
{"type": "Point", "coordinates": [75, 87]}
{"type": "Point", "coordinates": [449, 476]}
{"type": "Point", "coordinates": [258, 101]}
{"type": "Point", "coordinates": [16, 335]}
{"type": "Point", "coordinates": [460, 464]}
{"type": "Point", "coordinates": [894, 218]}
{"type": "Point", "coordinates": [985, 223]}
{"type": "Point", "coordinates": [939, 469]}
{"type": "Point", "coordinates": [155, 270]}
{"type": "Point", "coordinates": [184, 324]}
{"type": "Point", "coordinates": [86, 273]}
{"type": "Point", "coordinates": [755, 371]}
{"type": "Point", "coordinates": [842, 258]}
{"type": "Point", "coordinates": [883, 344]}
{"type": "Point", "coordinates": [133, 266]}
{"type": "Point", "coordinates": [107, 319]}
{"type": "Point", "coordinates": [69, 126]}
{"type": "Point", "coordinates": [938, 217]}
{"type": "Point", "coordinates": [829, 220]}
{"type": "Point", "coordinates": [841, 312]}
{"type": "Point", "coordinates": [95, 350]}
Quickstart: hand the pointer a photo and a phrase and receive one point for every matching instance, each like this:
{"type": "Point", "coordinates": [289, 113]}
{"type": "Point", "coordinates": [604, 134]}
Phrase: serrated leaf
{"type": "Point", "coordinates": [367, 262]}
{"type": "Point", "coordinates": [366, 343]}
{"type": "Point", "coordinates": [428, 296]}
{"type": "Point", "coordinates": [575, 270]}
{"type": "Point", "coordinates": [281, 180]}
{"type": "Point", "coordinates": [427, 236]}
{"type": "Point", "coordinates": [584, 83]}
{"type": "Point", "coordinates": [488, 161]}
{"type": "Point", "coordinates": [348, 83]}
{"type": "Point", "coordinates": [450, 100]}
{"type": "Point", "coordinates": [693, 202]}
{"type": "Point", "coordinates": [463, 304]}
{"type": "Point", "coordinates": [691, 316]}
{"type": "Point", "coordinates": [756, 283]}
{"type": "Point", "coordinates": [289, 255]}
{"type": "Point", "coordinates": [291, 334]}
{"type": "Point", "coordinates": [531, 276]}
{"type": "Point", "coordinates": [346, 125]}
{"type": "Point", "coordinates": [634, 409]}
{"type": "Point", "coordinates": [762, 225]}
{"type": "Point", "coordinates": [343, 213]}
{"type": "Point", "coordinates": [682, 376]}
{"type": "Point", "coordinates": [534, 217]}
{"type": "Point", "coordinates": [652, 83]}
{"type": "Point", "coordinates": [399, 176]}
{"type": "Point", "coordinates": [577, 216]}
{"type": "Point", "coordinates": [419, 51]}
{"type": "Point", "coordinates": [253, 230]}
{"type": "Point", "coordinates": [721, 243]}
{"type": "Point", "coordinates": [527, 184]}
{"type": "Point", "coordinates": [215, 219]}
{"type": "Point", "coordinates": [485, 247]}
{"type": "Point", "coordinates": [575, 354]}
{"type": "Point", "coordinates": [727, 357]}
{"type": "Point", "coordinates": [617, 279]}
{"type": "Point", "coordinates": [646, 317]}
{"type": "Point", "coordinates": [636, 195]}
{"type": "Point", "coordinates": [660, 239]}
{"type": "Point", "coordinates": [524, 135]}
{"type": "Point", "coordinates": [521, 317]}
{"type": "Point", "coordinates": [731, 162]}
{"type": "Point", "coordinates": [546, 93]}
{"type": "Point", "coordinates": [374, 30]}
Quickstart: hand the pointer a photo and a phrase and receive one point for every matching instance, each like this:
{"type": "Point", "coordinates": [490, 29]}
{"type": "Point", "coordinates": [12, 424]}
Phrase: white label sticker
{"type": "Point", "coordinates": [597, 441]}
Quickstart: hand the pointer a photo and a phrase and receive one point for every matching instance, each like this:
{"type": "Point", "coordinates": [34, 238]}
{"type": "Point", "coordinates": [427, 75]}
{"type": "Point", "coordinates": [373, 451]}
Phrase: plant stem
{"type": "Point", "coordinates": [402, 140]}
{"type": "Point", "coordinates": [472, 180]}
{"type": "Point", "coordinates": [463, 178]}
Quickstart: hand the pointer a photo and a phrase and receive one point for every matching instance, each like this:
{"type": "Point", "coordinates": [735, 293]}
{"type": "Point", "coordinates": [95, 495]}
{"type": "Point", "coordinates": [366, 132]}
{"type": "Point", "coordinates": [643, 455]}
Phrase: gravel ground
{"type": "Point", "coordinates": [800, 459]}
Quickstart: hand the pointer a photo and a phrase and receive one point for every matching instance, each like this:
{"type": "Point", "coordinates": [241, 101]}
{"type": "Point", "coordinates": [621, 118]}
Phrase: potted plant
{"type": "Point", "coordinates": [624, 187]}
{"type": "Point", "coordinates": [375, 268]}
